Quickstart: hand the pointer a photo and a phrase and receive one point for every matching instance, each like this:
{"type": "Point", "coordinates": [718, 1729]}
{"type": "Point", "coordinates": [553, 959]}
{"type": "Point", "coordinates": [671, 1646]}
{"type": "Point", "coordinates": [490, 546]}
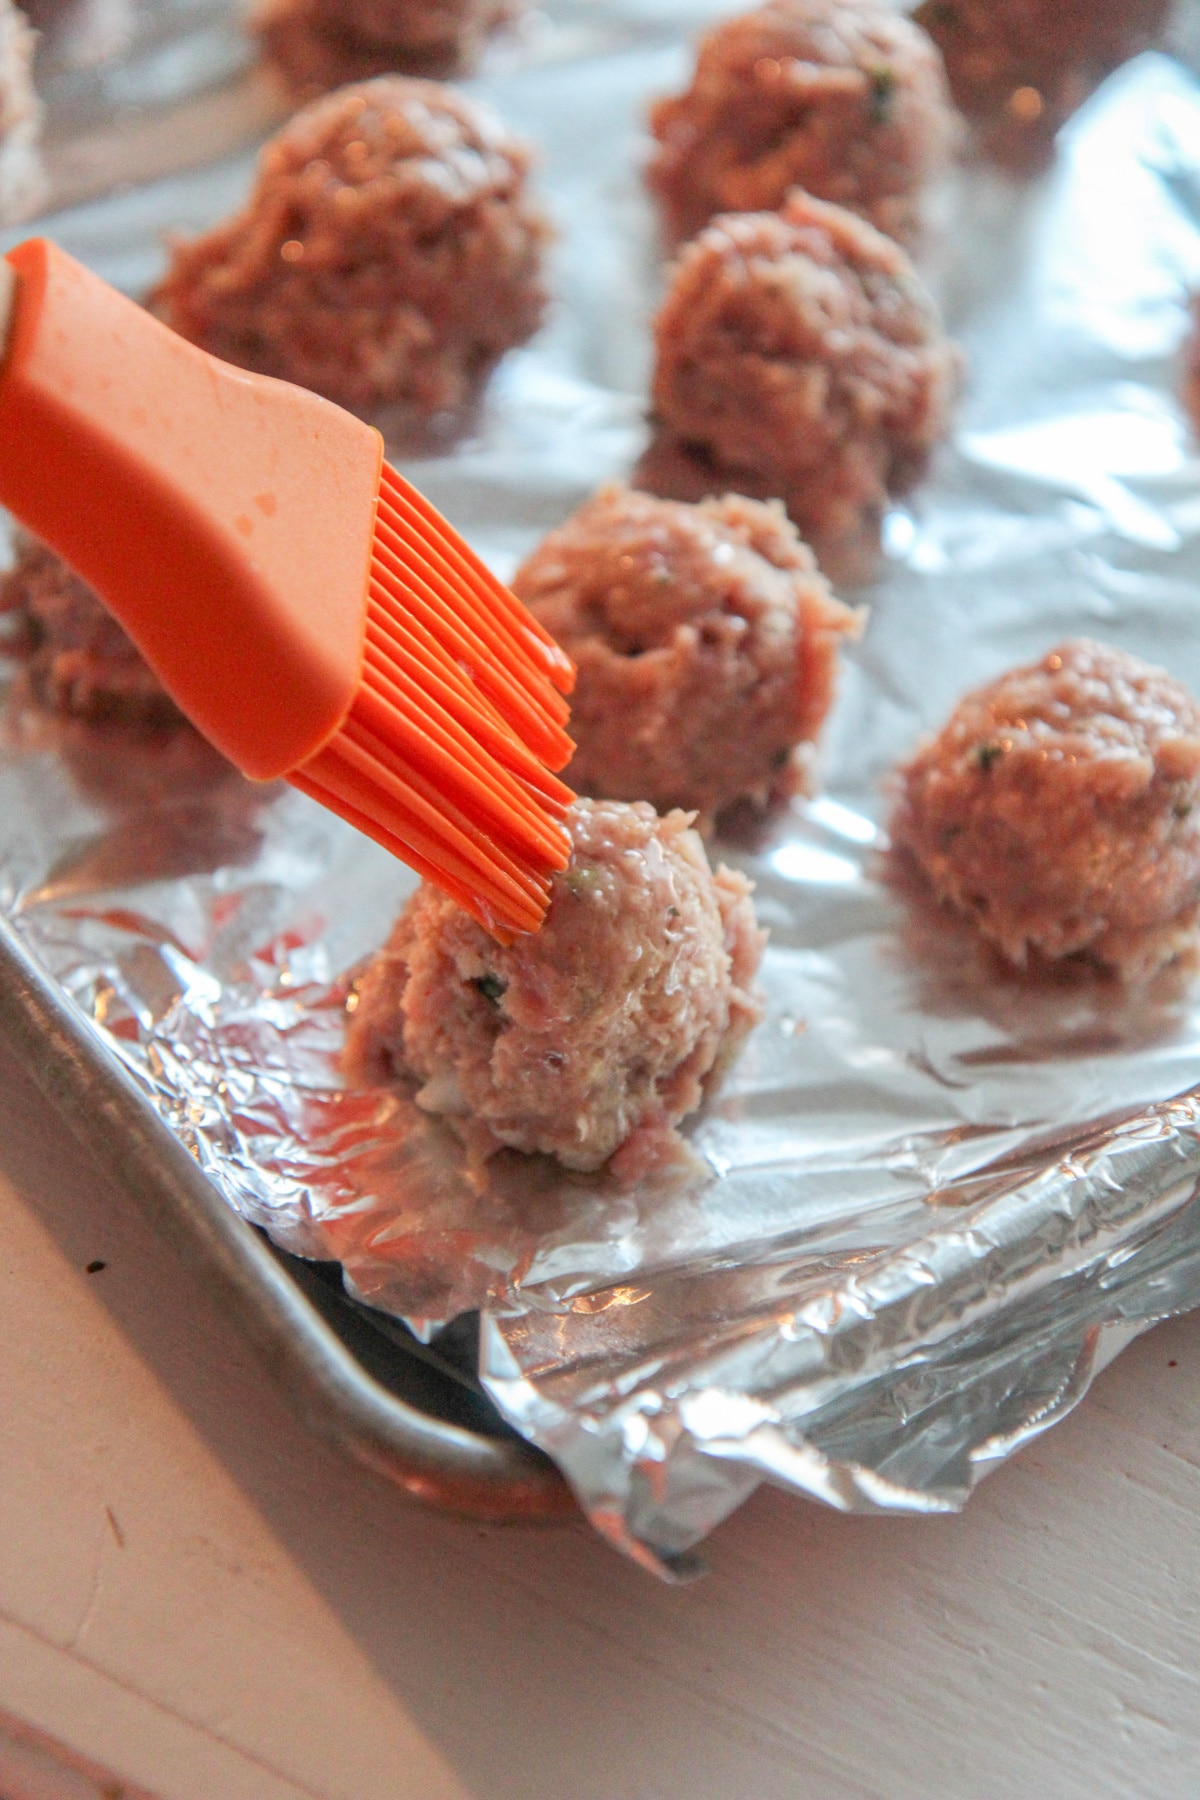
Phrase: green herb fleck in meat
{"type": "Point", "coordinates": [987, 754]}
{"type": "Point", "coordinates": [491, 987]}
{"type": "Point", "coordinates": [883, 95]}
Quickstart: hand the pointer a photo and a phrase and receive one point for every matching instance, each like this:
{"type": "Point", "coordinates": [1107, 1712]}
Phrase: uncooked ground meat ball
{"type": "Point", "coordinates": [77, 658]}
{"type": "Point", "coordinates": [613, 1020]}
{"type": "Point", "coordinates": [844, 98]}
{"type": "Point", "coordinates": [20, 117]}
{"type": "Point", "coordinates": [1059, 808]}
{"type": "Point", "coordinates": [1019, 68]}
{"type": "Point", "coordinates": [388, 257]}
{"type": "Point", "coordinates": [320, 44]}
{"type": "Point", "coordinates": [705, 643]}
{"type": "Point", "coordinates": [799, 357]}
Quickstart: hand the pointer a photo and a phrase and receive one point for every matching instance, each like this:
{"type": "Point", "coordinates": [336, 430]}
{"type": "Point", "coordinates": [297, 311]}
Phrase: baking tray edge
{"type": "Point", "coordinates": [439, 1463]}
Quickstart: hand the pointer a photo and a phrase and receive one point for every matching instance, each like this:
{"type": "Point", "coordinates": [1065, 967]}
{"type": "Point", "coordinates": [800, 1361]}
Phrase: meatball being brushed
{"type": "Point", "coordinates": [846, 99]}
{"type": "Point", "coordinates": [612, 1021]}
{"type": "Point", "coordinates": [800, 358]}
{"type": "Point", "coordinates": [387, 258]}
{"type": "Point", "coordinates": [705, 643]}
{"type": "Point", "coordinates": [1059, 808]}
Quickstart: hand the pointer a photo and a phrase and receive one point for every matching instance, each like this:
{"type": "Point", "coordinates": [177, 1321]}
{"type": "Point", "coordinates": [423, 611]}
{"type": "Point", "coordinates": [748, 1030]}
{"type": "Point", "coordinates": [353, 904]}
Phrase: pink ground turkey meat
{"type": "Point", "coordinates": [706, 646]}
{"type": "Point", "coordinates": [1059, 808]}
{"type": "Point", "coordinates": [613, 1021]}
{"type": "Point", "coordinates": [321, 44]}
{"type": "Point", "coordinates": [799, 357]}
{"type": "Point", "coordinates": [843, 98]}
{"type": "Point", "coordinates": [78, 660]}
{"type": "Point", "coordinates": [21, 177]}
{"type": "Point", "coordinates": [1019, 68]}
{"type": "Point", "coordinates": [387, 258]}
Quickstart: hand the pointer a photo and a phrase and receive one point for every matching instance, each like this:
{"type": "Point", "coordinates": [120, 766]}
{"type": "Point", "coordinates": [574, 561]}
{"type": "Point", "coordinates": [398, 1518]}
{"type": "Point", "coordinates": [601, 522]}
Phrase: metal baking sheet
{"type": "Point", "coordinates": [929, 1202]}
{"type": "Point", "coordinates": [356, 1377]}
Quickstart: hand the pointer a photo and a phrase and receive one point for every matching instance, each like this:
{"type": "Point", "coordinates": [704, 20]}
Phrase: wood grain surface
{"type": "Point", "coordinates": [199, 1597]}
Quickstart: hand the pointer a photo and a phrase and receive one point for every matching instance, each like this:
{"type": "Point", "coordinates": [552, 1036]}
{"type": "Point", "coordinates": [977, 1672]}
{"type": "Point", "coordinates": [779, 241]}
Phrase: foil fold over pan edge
{"type": "Point", "coordinates": [1083, 1218]}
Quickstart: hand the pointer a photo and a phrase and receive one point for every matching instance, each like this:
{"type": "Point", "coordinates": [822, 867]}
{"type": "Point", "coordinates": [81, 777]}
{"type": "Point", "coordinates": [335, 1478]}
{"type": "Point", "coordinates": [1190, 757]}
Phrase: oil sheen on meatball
{"type": "Point", "coordinates": [1019, 68]}
{"type": "Point", "coordinates": [388, 255]}
{"type": "Point", "coordinates": [77, 658]}
{"type": "Point", "coordinates": [321, 44]}
{"type": "Point", "coordinates": [21, 179]}
{"type": "Point", "coordinates": [844, 98]}
{"type": "Point", "coordinates": [613, 1020]}
{"type": "Point", "coordinates": [1059, 808]}
{"type": "Point", "coordinates": [799, 357]}
{"type": "Point", "coordinates": [705, 644]}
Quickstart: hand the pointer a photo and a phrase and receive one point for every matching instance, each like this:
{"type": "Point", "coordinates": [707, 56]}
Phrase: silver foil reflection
{"type": "Point", "coordinates": [931, 1200]}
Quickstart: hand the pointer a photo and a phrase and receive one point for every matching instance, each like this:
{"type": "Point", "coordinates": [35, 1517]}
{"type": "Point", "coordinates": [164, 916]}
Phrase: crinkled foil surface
{"type": "Point", "coordinates": [930, 1202]}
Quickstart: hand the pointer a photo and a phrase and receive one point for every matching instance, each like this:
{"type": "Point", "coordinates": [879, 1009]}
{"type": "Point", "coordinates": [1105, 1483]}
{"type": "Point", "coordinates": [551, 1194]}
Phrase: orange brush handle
{"type": "Point", "coordinates": [301, 603]}
{"type": "Point", "coordinates": [227, 520]}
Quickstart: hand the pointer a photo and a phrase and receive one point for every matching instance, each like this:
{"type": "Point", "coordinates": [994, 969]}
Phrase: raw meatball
{"type": "Point", "coordinates": [21, 179]}
{"type": "Point", "coordinates": [1060, 809]}
{"type": "Point", "coordinates": [1019, 68]}
{"type": "Point", "coordinates": [388, 256]}
{"type": "Point", "coordinates": [844, 98]}
{"type": "Point", "coordinates": [78, 659]}
{"type": "Point", "coordinates": [799, 357]}
{"type": "Point", "coordinates": [613, 1020]}
{"type": "Point", "coordinates": [705, 643]}
{"type": "Point", "coordinates": [319, 44]}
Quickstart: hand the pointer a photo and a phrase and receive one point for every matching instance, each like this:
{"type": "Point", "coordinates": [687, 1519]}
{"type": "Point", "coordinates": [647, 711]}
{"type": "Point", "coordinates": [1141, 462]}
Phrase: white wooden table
{"type": "Point", "coordinates": [199, 1601]}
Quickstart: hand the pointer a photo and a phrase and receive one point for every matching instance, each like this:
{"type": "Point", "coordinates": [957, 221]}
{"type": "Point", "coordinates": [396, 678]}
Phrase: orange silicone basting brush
{"type": "Point", "coordinates": [310, 613]}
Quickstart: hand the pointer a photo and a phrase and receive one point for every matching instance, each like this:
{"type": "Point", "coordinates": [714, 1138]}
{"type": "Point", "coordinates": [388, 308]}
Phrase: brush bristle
{"type": "Point", "coordinates": [445, 754]}
{"type": "Point", "coordinates": [536, 642]}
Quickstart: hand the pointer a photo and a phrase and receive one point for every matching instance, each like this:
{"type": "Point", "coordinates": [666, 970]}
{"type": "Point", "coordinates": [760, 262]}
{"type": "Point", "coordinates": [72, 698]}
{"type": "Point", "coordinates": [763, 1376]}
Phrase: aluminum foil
{"type": "Point", "coordinates": [930, 1201]}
